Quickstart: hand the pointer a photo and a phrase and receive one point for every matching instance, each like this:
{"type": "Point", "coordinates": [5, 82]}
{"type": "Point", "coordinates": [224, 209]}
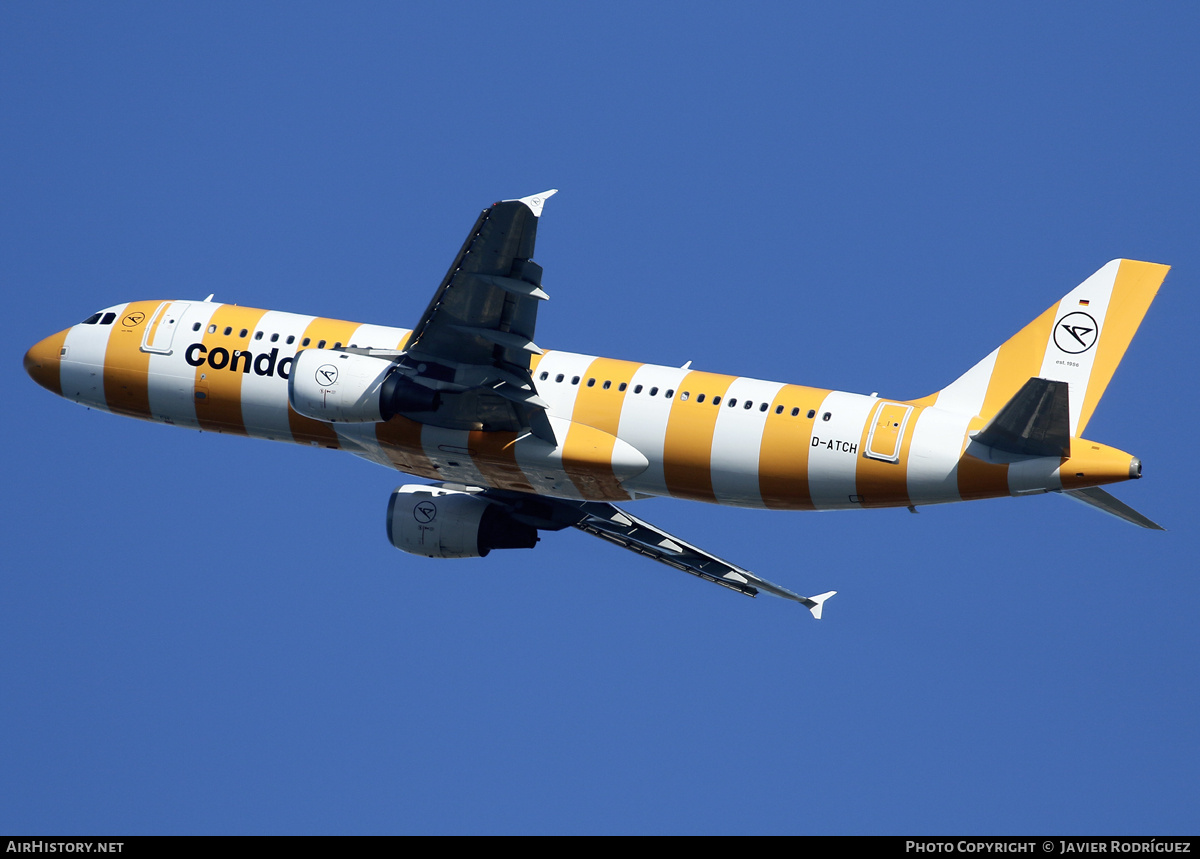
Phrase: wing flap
{"type": "Point", "coordinates": [628, 531]}
{"type": "Point", "coordinates": [511, 284]}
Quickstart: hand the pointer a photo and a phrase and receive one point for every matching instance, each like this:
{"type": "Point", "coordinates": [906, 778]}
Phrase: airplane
{"type": "Point", "coordinates": [519, 440]}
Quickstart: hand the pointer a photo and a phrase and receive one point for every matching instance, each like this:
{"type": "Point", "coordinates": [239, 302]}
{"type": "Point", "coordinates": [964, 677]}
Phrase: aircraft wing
{"type": "Point", "coordinates": [619, 526]}
{"type": "Point", "coordinates": [474, 342]}
{"type": "Point", "coordinates": [623, 528]}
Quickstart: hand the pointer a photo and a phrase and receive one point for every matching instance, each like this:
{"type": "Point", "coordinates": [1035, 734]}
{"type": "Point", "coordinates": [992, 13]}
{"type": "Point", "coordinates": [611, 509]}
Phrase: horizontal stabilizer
{"type": "Point", "coordinates": [1035, 422]}
{"type": "Point", "coordinates": [1095, 497]}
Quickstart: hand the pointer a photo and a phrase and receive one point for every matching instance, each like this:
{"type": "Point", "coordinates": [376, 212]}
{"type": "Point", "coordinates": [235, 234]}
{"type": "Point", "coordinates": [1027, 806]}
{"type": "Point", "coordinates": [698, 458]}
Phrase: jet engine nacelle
{"type": "Point", "coordinates": [343, 387]}
{"type": "Point", "coordinates": [445, 523]}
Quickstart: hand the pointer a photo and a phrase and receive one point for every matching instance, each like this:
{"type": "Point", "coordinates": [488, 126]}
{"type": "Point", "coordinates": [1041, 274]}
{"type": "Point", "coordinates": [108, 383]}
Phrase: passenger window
{"type": "Point", "coordinates": [622, 386]}
{"type": "Point", "coordinates": [305, 341]}
{"type": "Point", "coordinates": [670, 393]}
{"type": "Point", "coordinates": [321, 344]}
{"type": "Point", "coordinates": [274, 338]}
{"type": "Point", "coordinates": [243, 333]}
{"type": "Point", "coordinates": [107, 318]}
{"type": "Point", "coordinates": [559, 377]}
{"type": "Point", "coordinates": [196, 327]}
{"type": "Point", "coordinates": [812, 413]}
{"type": "Point", "coordinates": [826, 416]}
{"type": "Point", "coordinates": [700, 398]}
{"type": "Point", "coordinates": [654, 392]}
{"type": "Point", "coordinates": [716, 401]}
{"type": "Point", "coordinates": [637, 389]}
{"type": "Point", "coordinates": [291, 339]}
{"type": "Point", "coordinates": [685, 395]}
{"type": "Point", "coordinates": [732, 402]}
{"type": "Point", "coordinates": [544, 376]}
{"type": "Point", "coordinates": [258, 335]}
{"type": "Point", "coordinates": [228, 330]}
{"type": "Point", "coordinates": [607, 384]}
{"type": "Point", "coordinates": [591, 383]}
{"type": "Point", "coordinates": [337, 344]}
{"type": "Point", "coordinates": [795, 411]}
{"type": "Point", "coordinates": [748, 405]}
{"type": "Point", "coordinates": [92, 320]}
{"type": "Point", "coordinates": [762, 407]}
{"type": "Point", "coordinates": [574, 380]}
{"type": "Point", "coordinates": [779, 410]}
{"type": "Point", "coordinates": [212, 329]}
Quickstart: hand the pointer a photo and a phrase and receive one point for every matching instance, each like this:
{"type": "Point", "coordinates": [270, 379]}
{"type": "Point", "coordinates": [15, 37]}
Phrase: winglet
{"type": "Point", "coordinates": [536, 201]}
{"type": "Point", "coordinates": [817, 602]}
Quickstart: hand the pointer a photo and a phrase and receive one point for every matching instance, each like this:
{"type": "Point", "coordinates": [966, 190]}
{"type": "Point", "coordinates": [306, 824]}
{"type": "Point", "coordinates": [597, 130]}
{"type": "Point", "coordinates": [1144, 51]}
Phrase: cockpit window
{"type": "Point", "coordinates": [92, 320]}
{"type": "Point", "coordinates": [108, 318]}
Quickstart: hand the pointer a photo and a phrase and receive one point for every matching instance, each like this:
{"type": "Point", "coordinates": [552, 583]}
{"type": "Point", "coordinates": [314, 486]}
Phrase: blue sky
{"type": "Point", "coordinates": [201, 633]}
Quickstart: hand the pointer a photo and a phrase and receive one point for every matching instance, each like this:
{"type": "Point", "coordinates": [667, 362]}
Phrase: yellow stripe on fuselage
{"type": "Point", "coordinates": [126, 366]}
{"type": "Point", "coordinates": [596, 406]}
{"type": "Point", "coordinates": [978, 478]}
{"type": "Point", "coordinates": [495, 455]}
{"type": "Point", "coordinates": [881, 483]}
{"type": "Point", "coordinates": [687, 450]}
{"type": "Point", "coordinates": [587, 456]}
{"type": "Point", "coordinates": [400, 439]}
{"type": "Point", "coordinates": [783, 458]}
{"type": "Point", "coordinates": [220, 409]}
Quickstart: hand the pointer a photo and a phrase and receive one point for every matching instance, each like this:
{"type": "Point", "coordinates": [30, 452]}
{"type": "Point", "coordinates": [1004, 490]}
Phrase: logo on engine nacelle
{"type": "Point", "coordinates": [425, 512]}
{"type": "Point", "coordinates": [326, 374]}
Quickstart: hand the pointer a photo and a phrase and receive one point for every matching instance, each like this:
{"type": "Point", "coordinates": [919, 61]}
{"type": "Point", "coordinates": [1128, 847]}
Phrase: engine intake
{"type": "Point", "coordinates": [446, 523]}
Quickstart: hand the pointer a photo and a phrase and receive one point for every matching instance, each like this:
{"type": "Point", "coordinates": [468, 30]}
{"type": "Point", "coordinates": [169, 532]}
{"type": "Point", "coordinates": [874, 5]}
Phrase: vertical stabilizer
{"type": "Point", "coordinates": [1079, 341]}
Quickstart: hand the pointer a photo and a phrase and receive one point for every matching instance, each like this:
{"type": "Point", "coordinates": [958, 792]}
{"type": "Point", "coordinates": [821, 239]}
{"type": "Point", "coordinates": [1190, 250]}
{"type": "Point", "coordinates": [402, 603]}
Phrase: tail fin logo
{"type": "Point", "coordinates": [1075, 333]}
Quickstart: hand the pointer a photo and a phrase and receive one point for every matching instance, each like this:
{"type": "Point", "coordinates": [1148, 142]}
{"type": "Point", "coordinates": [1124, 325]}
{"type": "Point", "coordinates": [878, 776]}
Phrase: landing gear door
{"type": "Point", "coordinates": [161, 330]}
{"type": "Point", "coordinates": [887, 431]}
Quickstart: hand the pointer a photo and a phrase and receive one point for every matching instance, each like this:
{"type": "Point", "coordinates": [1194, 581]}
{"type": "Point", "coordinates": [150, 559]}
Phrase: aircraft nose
{"type": "Point", "coordinates": [43, 360]}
